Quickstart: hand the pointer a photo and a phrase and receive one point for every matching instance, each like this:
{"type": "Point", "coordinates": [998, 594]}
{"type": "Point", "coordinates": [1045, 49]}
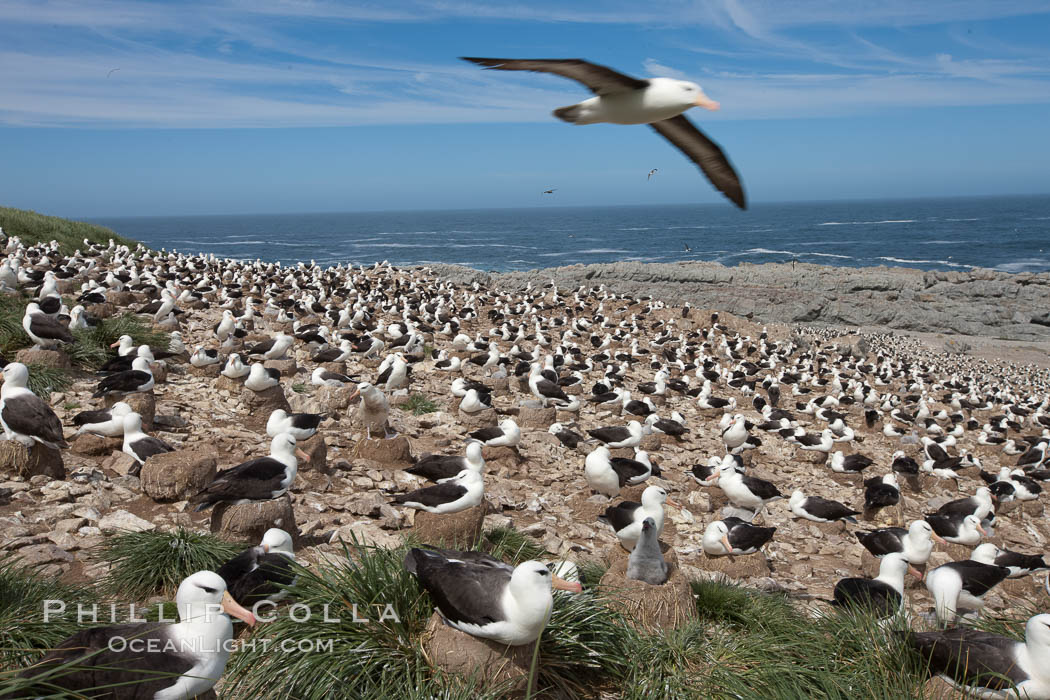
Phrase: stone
{"type": "Point", "coordinates": [335, 398]}
{"type": "Point", "coordinates": [890, 516]}
{"type": "Point", "coordinates": [368, 504]}
{"type": "Point", "coordinates": [317, 450]}
{"type": "Point", "coordinates": [95, 445]}
{"type": "Point", "coordinates": [395, 451]}
{"type": "Point", "coordinates": [485, 418]}
{"type": "Point", "coordinates": [287, 368]}
{"type": "Point", "coordinates": [648, 607]}
{"type": "Point", "coordinates": [452, 530]}
{"type": "Point", "coordinates": [41, 554]}
{"type": "Point", "coordinates": [502, 455]}
{"type": "Point", "coordinates": [120, 299]}
{"type": "Point", "coordinates": [143, 403]}
{"type": "Point", "coordinates": [234, 386]}
{"type": "Point", "coordinates": [119, 463]}
{"type": "Point", "coordinates": [122, 520]}
{"type": "Point", "coordinates": [247, 522]}
{"type": "Point", "coordinates": [261, 404]}
{"type": "Point", "coordinates": [207, 371]}
{"type": "Point", "coordinates": [364, 533]}
{"type": "Point", "coordinates": [484, 660]}
{"type": "Point", "coordinates": [160, 372]}
{"type": "Point", "coordinates": [103, 310]}
{"type": "Point", "coordinates": [536, 418]}
{"type": "Point", "coordinates": [44, 358]}
{"type": "Point", "coordinates": [178, 475]}
{"type": "Point", "coordinates": [42, 461]}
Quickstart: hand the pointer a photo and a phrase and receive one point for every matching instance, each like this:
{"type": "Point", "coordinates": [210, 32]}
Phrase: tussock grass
{"type": "Point", "coordinates": [511, 546]}
{"type": "Point", "coordinates": [418, 404]}
{"type": "Point", "coordinates": [44, 380]}
{"type": "Point", "coordinates": [150, 563]}
{"type": "Point", "coordinates": [33, 228]}
{"type": "Point", "coordinates": [382, 657]}
{"type": "Point", "coordinates": [23, 633]}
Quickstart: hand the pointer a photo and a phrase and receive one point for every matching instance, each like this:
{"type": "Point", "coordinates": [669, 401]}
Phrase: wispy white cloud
{"type": "Point", "coordinates": [234, 64]}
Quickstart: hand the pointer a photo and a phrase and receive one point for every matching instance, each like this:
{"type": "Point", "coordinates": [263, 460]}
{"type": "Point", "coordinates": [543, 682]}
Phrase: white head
{"type": "Point", "coordinates": [132, 424]}
{"type": "Point", "coordinates": [530, 585]}
{"type": "Point", "coordinates": [684, 92]}
{"type": "Point", "coordinates": [985, 553]}
{"type": "Point", "coordinates": [277, 541]}
{"type": "Point", "coordinates": [202, 598]}
{"type": "Point", "coordinates": [474, 454]}
{"type": "Point", "coordinates": [120, 408]}
{"type": "Point", "coordinates": [283, 448]}
{"type": "Point", "coordinates": [717, 535]}
{"type": "Point", "coordinates": [654, 496]}
{"type": "Point", "coordinates": [796, 498]}
{"type": "Point", "coordinates": [1037, 631]}
{"type": "Point", "coordinates": [16, 374]}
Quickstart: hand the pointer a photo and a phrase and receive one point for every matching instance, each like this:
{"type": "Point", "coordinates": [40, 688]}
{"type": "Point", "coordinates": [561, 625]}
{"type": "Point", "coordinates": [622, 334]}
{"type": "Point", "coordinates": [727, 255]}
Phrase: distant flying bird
{"type": "Point", "coordinates": [651, 173]}
{"type": "Point", "coordinates": [548, 191]}
{"type": "Point", "coordinates": [621, 99]}
{"type": "Point", "coordinates": [687, 248]}
{"type": "Point", "coordinates": [112, 71]}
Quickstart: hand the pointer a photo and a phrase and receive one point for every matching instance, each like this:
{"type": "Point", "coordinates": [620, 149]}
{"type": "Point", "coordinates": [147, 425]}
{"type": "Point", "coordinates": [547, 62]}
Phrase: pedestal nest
{"type": "Point", "coordinates": [452, 530]}
{"type": "Point", "coordinates": [173, 476]}
{"type": "Point", "coordinates": [247, 522]}
{"type": "Point", "coordinates": [488, 662]}
{"type": "Point", "coordinates": [646, 606]}
{"type": "Point", "coordinates": [395, 451]}
{"type": "Point", "coordinates": [261, 404]}
{"type": "Point", "coordinates": [16, 459]}
{"type": "Point", "coordinates": [739, 567]}
{"type": "Point", "coordinates": [143, 403]}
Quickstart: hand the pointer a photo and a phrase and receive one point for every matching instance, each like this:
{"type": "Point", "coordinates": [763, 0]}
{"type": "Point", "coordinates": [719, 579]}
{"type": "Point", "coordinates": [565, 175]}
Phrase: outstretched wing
{"type": "Point", "coordinates": [706, 154]}
{"type": "Point", "coordinates": [598, 79]}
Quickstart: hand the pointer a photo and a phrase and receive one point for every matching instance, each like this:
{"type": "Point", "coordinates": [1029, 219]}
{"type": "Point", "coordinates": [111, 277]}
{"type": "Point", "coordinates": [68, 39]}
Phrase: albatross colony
{"type": "Point", "coordinates": [733, 386]}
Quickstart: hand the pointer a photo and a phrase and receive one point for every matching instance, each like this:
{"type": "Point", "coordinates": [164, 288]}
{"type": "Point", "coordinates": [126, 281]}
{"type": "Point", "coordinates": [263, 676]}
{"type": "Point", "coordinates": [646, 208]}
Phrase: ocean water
{"type": "Point", "coordinates": [1011, 234]}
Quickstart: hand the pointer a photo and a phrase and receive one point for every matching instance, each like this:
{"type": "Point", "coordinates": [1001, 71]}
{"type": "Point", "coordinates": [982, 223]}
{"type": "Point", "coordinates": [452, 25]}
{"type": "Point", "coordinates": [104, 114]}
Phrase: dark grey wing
{"type": "Point", "coordinates": [138, 674]}
{"type": "Point", "coordinates": [598, 79]}
{"type": "Point", "coordinates": [706, 154]}
{"type": "Point", "coordinates": [91, 417]}
{"type": "Point", "coordinates": [867, 594]}
{"type": "Point", "coordinates": [28, 414]}
{"type": "Point", "coordinates": [884, 541]}
{"type": "Point", "coordinates": [761, 488]}
{"type": "Point", "coordinates": [486, 434]}
{"type": "Point", "coordinates": [745, 537]}
{"type": "Point", "coordinates": [436, 467]}
{"type": "Point", "coordinates": [462, 591]}
{"type": "Point", "coordinates": [149, 446]}
{"type": "Point", "coordinates": [239, 566]}
{"type": "Point", "coordinates": [622, 514]}
{"type": "Point", "coordinates": [433, 496]}
{"type": "Point", "coordinates": [255, 480]}
{"type": "Point", "coordinates": [627, 469]}
{"type": "Point", "coordinates": [613, 434]}
{"type": "Point", "coordinates": [973, 657]}
{"type": "Point", "coordinates": [273, 572]}
{"type": "Point", "coordinates": [46, 327]}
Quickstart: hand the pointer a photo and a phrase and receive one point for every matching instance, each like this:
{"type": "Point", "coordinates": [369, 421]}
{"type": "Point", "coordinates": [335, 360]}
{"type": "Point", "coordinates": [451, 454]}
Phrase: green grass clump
{"type": "Point", "coordinates": [150, 563]}
{"type": "Point", "coordinates": [23, 633]}
{"type": "Point", "coordinates": [383, 653]}
{"type": "Point", "coordinates": [299, 388]}
{"type": "Point", "coordinates": [43, 380]}
{"type": "Point", "coordinates": [90, 348]}
{"type": "Point", "coordinates": [34, 228]}
{"type": "Point", "coordinates": [509, 545]}
{"type": "Point", "coordinates": [418, 404]}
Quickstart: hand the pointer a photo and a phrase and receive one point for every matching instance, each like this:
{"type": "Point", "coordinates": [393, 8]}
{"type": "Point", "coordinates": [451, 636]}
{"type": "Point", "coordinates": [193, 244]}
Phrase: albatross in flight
{"type": "Point", "coordinates": [621, 99]}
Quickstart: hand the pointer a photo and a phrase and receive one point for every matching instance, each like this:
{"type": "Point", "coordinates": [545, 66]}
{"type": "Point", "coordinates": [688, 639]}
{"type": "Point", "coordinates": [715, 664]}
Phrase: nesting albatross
{"type": "Point", "coordinates": [486, 598]}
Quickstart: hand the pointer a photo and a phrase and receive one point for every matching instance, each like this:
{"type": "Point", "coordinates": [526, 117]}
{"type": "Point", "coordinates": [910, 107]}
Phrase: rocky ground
{"type": "Point", "coordinates": [539, 489]}
{"type": "Point", "coordinates": [977, 302]}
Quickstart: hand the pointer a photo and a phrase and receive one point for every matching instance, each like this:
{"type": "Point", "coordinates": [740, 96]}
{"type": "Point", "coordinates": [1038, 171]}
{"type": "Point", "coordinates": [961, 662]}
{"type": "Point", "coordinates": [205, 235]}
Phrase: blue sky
{"type": "Point", "coordinates": [136, 108]}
